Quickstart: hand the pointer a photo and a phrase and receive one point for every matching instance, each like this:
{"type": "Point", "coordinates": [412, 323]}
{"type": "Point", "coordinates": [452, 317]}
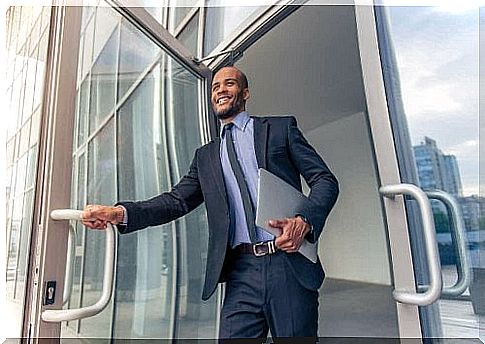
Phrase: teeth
{"type": "Point", "coordinates": [222, 100]}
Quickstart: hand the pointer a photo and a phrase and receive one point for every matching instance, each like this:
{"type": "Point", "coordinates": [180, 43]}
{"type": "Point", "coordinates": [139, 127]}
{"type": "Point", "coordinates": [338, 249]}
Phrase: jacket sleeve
{"type": "Point", "coordinates": [323, 184]}
{"type": "Point", "coordinates": [166, 207]}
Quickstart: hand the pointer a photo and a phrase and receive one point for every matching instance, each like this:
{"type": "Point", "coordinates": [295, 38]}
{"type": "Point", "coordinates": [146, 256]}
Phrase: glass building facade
{"type": "Point", "coordinates": [26, 55]}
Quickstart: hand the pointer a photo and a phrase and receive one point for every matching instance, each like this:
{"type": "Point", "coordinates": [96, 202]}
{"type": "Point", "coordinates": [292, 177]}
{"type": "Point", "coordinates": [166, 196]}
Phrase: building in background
{"type": "Point", "coordinates": [440, 171]}
{"type": "Point", "coordinates": [436, 170]}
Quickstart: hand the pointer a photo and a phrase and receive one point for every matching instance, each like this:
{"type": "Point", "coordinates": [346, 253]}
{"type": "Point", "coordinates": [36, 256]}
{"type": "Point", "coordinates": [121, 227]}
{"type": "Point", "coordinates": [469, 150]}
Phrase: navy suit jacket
{"type": "Point", "coordinates": [281, 149]}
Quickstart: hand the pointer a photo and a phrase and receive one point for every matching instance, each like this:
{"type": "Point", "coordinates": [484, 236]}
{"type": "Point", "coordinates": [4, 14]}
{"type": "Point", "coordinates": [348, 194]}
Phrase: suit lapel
{"type": "Point", "coordinates": [217, 166]}
{"type": "Point", "coordinates": [261, 127]}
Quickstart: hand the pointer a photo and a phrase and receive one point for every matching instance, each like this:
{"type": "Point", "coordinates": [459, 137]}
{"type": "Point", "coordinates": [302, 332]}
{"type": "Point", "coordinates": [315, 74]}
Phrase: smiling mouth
{"type": "Point", "coordinates": [223, 100]}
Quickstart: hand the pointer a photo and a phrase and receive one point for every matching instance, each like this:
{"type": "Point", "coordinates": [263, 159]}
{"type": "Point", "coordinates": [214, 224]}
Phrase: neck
{"type": "Point", "coordinates": [229, 119]}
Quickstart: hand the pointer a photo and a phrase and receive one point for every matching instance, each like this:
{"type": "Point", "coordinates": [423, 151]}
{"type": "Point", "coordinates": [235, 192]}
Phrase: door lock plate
{"type": "Point", "coordinates": [50, 293]}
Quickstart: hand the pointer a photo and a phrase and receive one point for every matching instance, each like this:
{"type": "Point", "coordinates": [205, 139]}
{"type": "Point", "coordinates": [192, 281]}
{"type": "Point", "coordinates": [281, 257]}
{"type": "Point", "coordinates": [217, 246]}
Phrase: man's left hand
{"type": "Point", "coordinates": [293, 231]}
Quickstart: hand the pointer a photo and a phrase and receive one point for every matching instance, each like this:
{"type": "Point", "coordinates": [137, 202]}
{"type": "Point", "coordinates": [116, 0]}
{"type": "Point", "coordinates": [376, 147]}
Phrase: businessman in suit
{"type": "Point", "coordinates": [269, 285]}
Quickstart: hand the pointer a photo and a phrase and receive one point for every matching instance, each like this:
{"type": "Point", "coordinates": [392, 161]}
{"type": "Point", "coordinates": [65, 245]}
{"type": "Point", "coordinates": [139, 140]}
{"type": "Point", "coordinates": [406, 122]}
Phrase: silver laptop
{"type": "Point", "coordinates": [277, 200]}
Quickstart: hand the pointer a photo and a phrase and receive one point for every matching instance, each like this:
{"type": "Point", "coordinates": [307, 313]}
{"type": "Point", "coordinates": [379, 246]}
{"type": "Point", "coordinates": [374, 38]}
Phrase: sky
{"type": "Point", "coordinates": [437, 56]}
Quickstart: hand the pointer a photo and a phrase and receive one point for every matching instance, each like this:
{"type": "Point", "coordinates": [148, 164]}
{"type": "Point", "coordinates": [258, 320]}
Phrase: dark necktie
{"type": "Point", "coordinates": [241, 182]}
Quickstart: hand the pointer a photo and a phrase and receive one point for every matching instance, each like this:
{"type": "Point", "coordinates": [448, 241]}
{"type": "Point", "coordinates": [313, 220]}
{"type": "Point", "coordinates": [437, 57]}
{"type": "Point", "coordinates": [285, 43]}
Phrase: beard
{"type": "Point", "coordinates": [233, 109]}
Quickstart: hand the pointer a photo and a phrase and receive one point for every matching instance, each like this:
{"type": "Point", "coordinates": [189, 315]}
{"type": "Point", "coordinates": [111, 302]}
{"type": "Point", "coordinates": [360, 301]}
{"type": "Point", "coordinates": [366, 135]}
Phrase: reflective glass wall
{"type": "Point", "coordinates": [138, 123]}
{"type": "Point", "coordinates": [26, 53]}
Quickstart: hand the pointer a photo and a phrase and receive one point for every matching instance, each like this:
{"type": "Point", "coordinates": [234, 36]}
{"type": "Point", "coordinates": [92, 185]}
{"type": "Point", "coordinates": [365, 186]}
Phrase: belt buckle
{"type": "Point", "coordinates": [255, 250]}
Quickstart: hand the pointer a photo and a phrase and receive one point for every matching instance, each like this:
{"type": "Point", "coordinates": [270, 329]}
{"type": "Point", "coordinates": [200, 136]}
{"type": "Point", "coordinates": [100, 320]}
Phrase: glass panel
{"type": "Point", "coordinates": [23, 243]}
{"type": "Point", "coordinates": [14, 113]}
{"type": "Point", "coordinates": [106, 23]}
{"type": "Point", "coordinates": [29, 88]}
{"type": "Point", "coordinates": [137, 52]}
{"type": "Point", "coordinates": [34, 128]}
{"type": "Point", "coordinates": [101, 189]}
{"type": "Point", "coordinates": [145, 259]}
{"type": "Point", "coordinates": [88, 14]}
{"type": "Point", "coordinates": [46, 16]}
{"type": "Point", "coordinates": [79, 254]}
{"type": "Point", "coordinates": [196, 319]}
{"type": "Point", "coordinates": [150, 84]}
{"type": "Point", "coordinates": [35, 36]}
{"type": "Point", "coordinates": [21, 174]}
{"type": "Point", "coordinates": [430, 60]}
{"type": "Point", "coordinates": [178, 11]}
{"type": "Point", "coordinates": [10, 153]}
{"type": "Point", "coordinates": [220, 22]}
{"type": "Point", "coordinates": [13, 254]}
{"type": "Point", "coordinates": [31, 170]}
{"type": "Point", "coordinates": [189, 35]}
{"type": "Point", "coordinates": [40, 70]}
{"type": "Point", "coordinates": [87, 51]}
{"type": "Point", "coordinates": [24, 138]}
{"type": "Point", "coordinates": [103, 82]}
{"type": "Point", "coordinates": [82, 100]}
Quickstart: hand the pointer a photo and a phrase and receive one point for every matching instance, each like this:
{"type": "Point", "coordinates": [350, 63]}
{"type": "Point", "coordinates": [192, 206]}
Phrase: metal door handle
{"type": "Point", "coordinates": [51, 315]}
{"type": "Point", "coordinates": [436, 283]}
{"type": "Point", "coordinates": [71, 247]}
{"type": "Point", "coordinates": [458, 228]}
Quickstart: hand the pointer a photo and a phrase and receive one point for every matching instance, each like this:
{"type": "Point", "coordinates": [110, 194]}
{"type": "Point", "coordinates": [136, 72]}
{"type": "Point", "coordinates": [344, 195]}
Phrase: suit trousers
{"type": "Point", "coordinates": [262, 293]}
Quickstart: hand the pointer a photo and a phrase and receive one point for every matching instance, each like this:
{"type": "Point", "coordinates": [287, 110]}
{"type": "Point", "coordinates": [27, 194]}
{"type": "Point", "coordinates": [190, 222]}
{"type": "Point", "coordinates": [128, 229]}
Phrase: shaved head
{"type": "Point", "coordinates": [243, 80]}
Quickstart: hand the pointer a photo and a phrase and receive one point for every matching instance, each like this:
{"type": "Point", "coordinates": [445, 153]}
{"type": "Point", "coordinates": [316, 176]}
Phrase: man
{"type": "Point", "coordinates": [268, 283]}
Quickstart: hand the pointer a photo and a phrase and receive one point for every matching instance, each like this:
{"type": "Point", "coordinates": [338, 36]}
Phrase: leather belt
{"type": "Point", "coordinates": [259, 249]}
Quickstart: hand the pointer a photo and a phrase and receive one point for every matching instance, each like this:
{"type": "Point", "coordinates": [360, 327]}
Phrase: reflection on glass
{"type": "Point", "coordinates": [12, 258]}
{"type": "Point", "coordinates": [34, 128]}
{"type": "Point", "coordinates": [31, 167]}
{"type": "Point", "coordinates": [29, 88]}
{"type": "Point", "coordinates": [23, 244]}
{"type": "Point", "coordinates": [101, 189]}
{"type": "Point", "coordinates": [196, 319]}
{"type": "Point", "coordinates": [82, 103]}
{"type": "Point", "coordinates": [106, 23]}
{"type": "Point", "coordinates": [103, 83]}
{"type": "Point", "coordinates": [22, 136]}
{"type": "Point", "coordinates": [145, 268]}
{"type": "Point", "coordinates": [189, 35]}
{"type": "Point", "coordinates": [40, 70]}
{"type": "Point", "coordinates": [157, 130]}
{"type": "Point", "coordinates": [431, 71]}
{"type": "Point", "coordinates": [137, 52]}
{"type": "Point", "coordinates": [77, 267]}
{"type": "Point", "coordinates": [221, 21]}
{"type": "Point", "coordinates": [21, 174]}
{"type": "Point", "coordinates": [87, 51]}
{"type": "Point", "coordinates": [179, 12]}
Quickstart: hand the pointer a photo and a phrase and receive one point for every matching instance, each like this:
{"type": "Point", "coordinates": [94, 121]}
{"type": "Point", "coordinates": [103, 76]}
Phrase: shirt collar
{"type": "Point", "coordinates": [240, 121]}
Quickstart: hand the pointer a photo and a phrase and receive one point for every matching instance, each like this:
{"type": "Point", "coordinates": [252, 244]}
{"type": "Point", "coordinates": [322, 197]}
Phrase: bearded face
{"type": "Point", "coordinates": [228, 96]}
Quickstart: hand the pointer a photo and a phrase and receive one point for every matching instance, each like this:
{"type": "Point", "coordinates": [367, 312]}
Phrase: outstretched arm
{"type": "Point", "coordinates": [168, 206]}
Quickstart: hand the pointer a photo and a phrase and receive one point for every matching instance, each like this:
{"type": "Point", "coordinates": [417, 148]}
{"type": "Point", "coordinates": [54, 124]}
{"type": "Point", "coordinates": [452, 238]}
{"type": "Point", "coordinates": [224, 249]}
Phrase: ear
{"type": "Point", "coordinates": [246, 94]}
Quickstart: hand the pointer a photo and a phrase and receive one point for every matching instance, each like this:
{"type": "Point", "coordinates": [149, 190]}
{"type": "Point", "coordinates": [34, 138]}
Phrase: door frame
{"type": "Point", "coordinates": [53, 190]}
{"type": "Point", "coordinates": [388, 168]}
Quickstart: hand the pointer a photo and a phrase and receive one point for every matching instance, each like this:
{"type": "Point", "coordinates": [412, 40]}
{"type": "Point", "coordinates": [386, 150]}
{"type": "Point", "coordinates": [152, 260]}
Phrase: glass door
{"type": "Point", "coordinates": [430, 64]}
{"type": "Point", "coordinates": [140, 112]}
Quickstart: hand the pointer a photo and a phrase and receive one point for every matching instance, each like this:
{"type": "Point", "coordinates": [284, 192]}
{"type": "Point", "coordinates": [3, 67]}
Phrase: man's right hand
{"type": "Point", "coordinates": [97, 216]}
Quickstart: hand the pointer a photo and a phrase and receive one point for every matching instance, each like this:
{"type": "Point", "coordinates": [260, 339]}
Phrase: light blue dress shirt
{"type": "Point", "coordinates": [243, 137]}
